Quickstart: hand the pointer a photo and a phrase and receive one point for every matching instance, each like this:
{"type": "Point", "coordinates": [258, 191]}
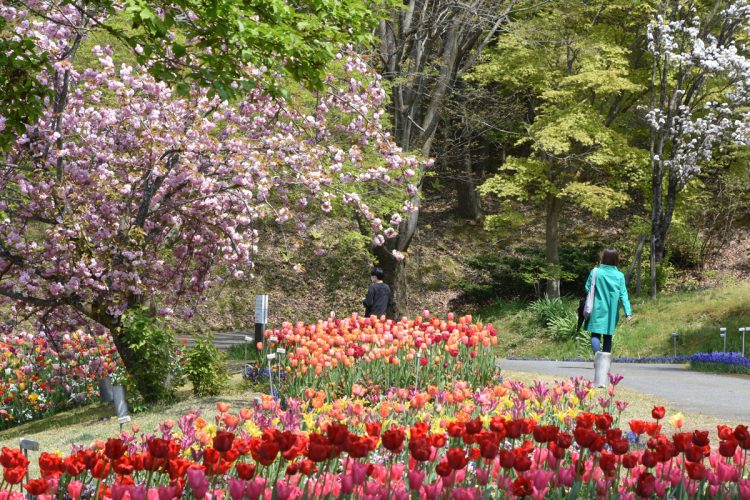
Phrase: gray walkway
{"type": "Point", "coordinates": [721, 396]}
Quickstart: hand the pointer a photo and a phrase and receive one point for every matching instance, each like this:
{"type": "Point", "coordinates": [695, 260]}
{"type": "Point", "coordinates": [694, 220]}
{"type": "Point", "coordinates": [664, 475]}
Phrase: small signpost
{"type": "Point", "coordinates": [261, 316]}
{"type": "Point", "coordinates": [723, 333]}
{"type": "Point", "coordinates": [674, 342]}
{"type": "Point", "coordinates": [743, 329]}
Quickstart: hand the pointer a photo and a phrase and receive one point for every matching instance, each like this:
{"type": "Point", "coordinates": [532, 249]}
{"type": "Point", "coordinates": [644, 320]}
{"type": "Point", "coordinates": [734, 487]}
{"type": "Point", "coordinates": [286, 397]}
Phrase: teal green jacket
{"type": "Point", "coordinates": [610, 290]}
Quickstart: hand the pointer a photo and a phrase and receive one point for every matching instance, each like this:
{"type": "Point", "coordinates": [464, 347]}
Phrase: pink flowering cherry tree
{"type": "Point", "coordinates": [124, 190]}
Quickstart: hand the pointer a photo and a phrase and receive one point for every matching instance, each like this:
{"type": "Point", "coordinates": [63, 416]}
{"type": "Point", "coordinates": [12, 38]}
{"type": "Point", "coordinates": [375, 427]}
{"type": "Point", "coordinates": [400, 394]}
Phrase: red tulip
{"type": "Point", "coordinates": [741, 433]}
{"type": "Point", "coordinates": [114, 448]}
{"type": "Point", "coordinates": [223, 441]}
{"type": "Point", "coordinates": [474, 426]}
{"type": "Point", "coordinates": [373, 428]}
{"type": "Point", "coordinates": [522, 487]}
{"type": "Point", "coordinates": [36, 487]}
{"type": "Point", "coordinates": [158, 447]}
{"type": "Point", "coordinates": [646, 485]}
{"type": "Point", "coordinates": [420, 449]}
{"type": "Point", "coordinates": [728, 447]}
{"type": "Point", "coordinates": [14, 475]}
{"type": "Point", "coordinates": [50, 464]}
{"type": "Point", "coordinates": [443, 469]}
{"type": "Point", "coordinates": [620, 446]}
{"type": "Point", "coordinates": [245, 471]}
{"type": "Point", "coordinates": [696, 471]}
{"type": "Point", "coordinates": [100, 469]}
{"type": "Point", "coordinates": [266, 453]}
{"type": "Point", "coordinates": [658, 412]}
{"type": "Point", "coordinates": [725, 432]}
{"type": "Point", "coordinates": [456, 458]}
{"type": "Point", "coordinates": [629, 461]}
{"type": "Point", "coordinates": [73, 465]}
{"type": "Point", "coordinates": [700, 438]}
{"type": "Point", "coordinates": [393, 439]}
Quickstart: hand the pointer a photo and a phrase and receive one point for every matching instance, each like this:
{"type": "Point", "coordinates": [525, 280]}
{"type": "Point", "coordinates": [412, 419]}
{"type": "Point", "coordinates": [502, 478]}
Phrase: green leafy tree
{"type": "Point", "coordinates": [572, 67]}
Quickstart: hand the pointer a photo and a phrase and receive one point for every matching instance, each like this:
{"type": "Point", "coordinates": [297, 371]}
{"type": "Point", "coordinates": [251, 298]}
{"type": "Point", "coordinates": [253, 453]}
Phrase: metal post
{"type": "Point", "coordinates": [261, 316]}
{"type": "Point", "coordinates": [247, 339]}
{"type": "Point", "coordinates": [743, 330]}
{"type": "Point", "coordinates": [723, 333]}
{"type": "Point", "coordinates": [270, 357]}
{"type": "Point", "coordinates": [674, 343]}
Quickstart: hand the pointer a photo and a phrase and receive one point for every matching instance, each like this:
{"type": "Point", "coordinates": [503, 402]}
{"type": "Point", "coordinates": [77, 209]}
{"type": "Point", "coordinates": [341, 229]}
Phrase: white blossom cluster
{"type": "Point", "coordinates": [708, 93]}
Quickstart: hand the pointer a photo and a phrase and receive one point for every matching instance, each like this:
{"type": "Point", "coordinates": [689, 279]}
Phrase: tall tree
{"type": "Point", "coordinates": [571, 66]}
{"type": "Point", "coordinates": [129, 190]}
{"type": "Point", "coordinates": [699, 95]}
{"type": "Point", "coordinates": [424, 47]}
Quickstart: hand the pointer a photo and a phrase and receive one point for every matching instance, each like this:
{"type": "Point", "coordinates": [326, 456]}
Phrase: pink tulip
{"type": "Point", "coordinates": [347, 483]}
{"type": "Point", "coordinates": [255, 488]}
{"type": "Point", "coordinates": [745, 489]}
{"type": "Point", "coordinates": [153, 494]}
{"type": "Point", "coordinates": [432, 491]}
{"type": "Point", "coordinates": [359, 472]}
{"type": "Point", "coordinates": [197, 481]}
{"type": "Point", "coordinates": [726, 472]}
{"type": "Point", "coordinates": [416, 478]}
{"type": "Point", "coordinates": [286, 491]}
{"type": "Point", "coordinates": [74, 489]}
{"type": "Point", "coordinates": [236, 488]}
{"type": "Point", "coordinates": [167, 492]}
{"type": "Point", "coordinates": [482, 476]}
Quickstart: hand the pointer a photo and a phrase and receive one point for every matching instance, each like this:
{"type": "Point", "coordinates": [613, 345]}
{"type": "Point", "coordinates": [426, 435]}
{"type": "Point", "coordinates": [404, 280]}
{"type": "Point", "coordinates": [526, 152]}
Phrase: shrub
{"type": "Point", "coordinates": [546, 309]}
{"type": "Point", "coordinates": [521, 275]}
{"type": "Point", "coordinates": [206, 368]}
{"type": "Point", "coordinates": [563, 327]}
{"type": "Point", "coordinates": [161, 370]}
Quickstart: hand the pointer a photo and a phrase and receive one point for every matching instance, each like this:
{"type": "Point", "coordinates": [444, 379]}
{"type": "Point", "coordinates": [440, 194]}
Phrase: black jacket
{"type": "Point", "coordinates": [378, 299]}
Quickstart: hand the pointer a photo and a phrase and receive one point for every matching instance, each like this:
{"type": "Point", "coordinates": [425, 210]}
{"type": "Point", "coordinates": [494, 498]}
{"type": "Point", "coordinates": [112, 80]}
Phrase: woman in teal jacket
{"type": "Point", "coordinates": [609, 291]}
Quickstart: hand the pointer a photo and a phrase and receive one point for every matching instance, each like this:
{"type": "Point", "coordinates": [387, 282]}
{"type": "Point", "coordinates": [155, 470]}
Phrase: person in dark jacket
{"type": "Point", "coordinates": [378, 295]}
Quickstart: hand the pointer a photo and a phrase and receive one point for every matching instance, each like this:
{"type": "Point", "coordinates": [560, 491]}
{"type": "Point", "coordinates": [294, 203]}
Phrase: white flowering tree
{"type": "Point", "coordinates": [698, 100]}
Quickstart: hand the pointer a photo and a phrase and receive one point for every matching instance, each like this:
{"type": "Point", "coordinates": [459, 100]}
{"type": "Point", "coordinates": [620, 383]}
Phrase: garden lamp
{"type": "Point", "coordinates": [27, 444]}
{"type": "Point", "coordinates": [261, 316]}
{"type": "Point", "coordinates": [723, 333]}
{"type": "Point", "coordinates": [743, 329]}
{"type": "Point", "coordinates": [674, 342]}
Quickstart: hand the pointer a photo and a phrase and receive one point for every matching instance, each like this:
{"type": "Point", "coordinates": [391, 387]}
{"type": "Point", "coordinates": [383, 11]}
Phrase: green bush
{"type": "Point", "coordinates": [522, 274]}
{"type": "Point", "coordinates": [206, 367]}
{"type": "Point", "coordinates": [558, 316]}
{"type": "Point", "coordinates": [159, 371]}
{"type": "Point", "coordinates": [563, 327]}
{"type": "Point", "coordinates": [546, 309]}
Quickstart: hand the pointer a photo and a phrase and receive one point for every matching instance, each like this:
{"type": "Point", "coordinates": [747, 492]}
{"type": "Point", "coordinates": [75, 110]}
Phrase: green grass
{"type": "Point", "coordinates": [696, 316]}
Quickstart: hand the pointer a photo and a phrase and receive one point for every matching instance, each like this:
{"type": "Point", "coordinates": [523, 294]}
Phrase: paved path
{"type": "Point", "coordinates": [721, 396]}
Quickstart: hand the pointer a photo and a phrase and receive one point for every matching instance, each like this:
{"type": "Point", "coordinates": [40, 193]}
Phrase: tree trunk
{"type": "Point", "coordinates": [469, 205]}
{"type": "Point", "coordinates": [636, 259]}
{"type": "Point", "coordinates": [395, 277]}
{"type": "Point", "coordinates": [552, 243]}
{"type": "Point", "coordinates": [653, 267]}
{"type": "Point", "coordinates": [395, 274]}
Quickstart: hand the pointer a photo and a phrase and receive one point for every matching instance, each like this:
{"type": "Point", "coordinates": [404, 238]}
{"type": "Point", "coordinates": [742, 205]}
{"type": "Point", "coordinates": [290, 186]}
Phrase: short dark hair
{"type": "Point", "coordinates": [378, 273]}
{"type": "Point", "coordinates": [610, 257]}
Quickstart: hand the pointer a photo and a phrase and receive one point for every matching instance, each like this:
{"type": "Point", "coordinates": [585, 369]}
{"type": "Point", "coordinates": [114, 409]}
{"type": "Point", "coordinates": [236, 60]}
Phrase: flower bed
{"type": "Point", "coordinates": [44, 374]}
{"type": "Point", "coordinates": [332, 355]}
{"type": "Point", "coordinates": [720, 361]}
{"type": "Point", "coordinates": [477, 455]}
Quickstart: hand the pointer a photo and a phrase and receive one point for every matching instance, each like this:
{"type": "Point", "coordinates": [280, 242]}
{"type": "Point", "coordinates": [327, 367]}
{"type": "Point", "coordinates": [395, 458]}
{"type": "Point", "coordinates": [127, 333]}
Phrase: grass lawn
{"type": "Point", "coordinates": [696, 316]}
